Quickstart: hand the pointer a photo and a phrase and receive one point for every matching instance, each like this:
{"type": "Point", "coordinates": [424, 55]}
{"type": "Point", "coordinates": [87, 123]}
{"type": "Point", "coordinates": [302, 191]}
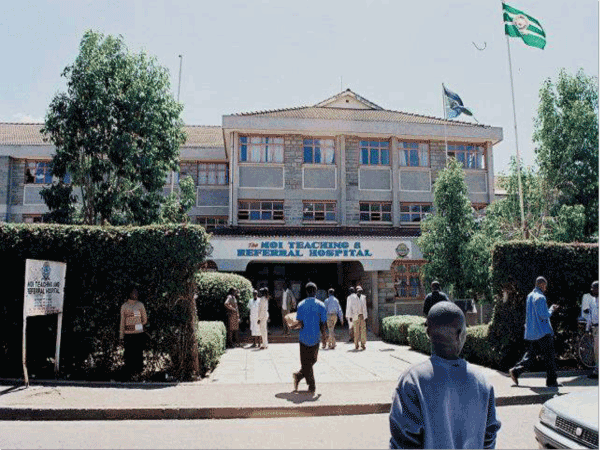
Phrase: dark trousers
{"type": "Point", "coordinates": [308, 358]}
{"type": "Point", "coordinates": [134, 353]}
{"type": "Point", "coordinates": [233, 338]}
{"type": "Point", "coordinates": [542, 347]}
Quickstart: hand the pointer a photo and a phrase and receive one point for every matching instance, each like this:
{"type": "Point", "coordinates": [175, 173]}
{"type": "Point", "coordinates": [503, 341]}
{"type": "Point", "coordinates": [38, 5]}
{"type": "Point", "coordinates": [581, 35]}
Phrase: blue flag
{"type": "Point", "coordinates": [454, 105]}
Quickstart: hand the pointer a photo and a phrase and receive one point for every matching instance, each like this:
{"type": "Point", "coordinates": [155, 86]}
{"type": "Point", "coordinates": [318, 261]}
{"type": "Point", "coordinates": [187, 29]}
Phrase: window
{"type": "Point", "coordinates": [319, 211]}
{"type": "Point", "coordinates": [211, 223]}
{"type": "Point", "coordinates": [38, 172]}
{"type": "Point", "coordinates": [319, 151]}
{"type": "Point", "coordinates": [407, 280]}
{"type": "Point", "coordinates": [414, 154]}
{"type": "Point", "coordinates": [375, 212]}
{"type": "Point", "coordinates": [261, 149]}
{"type": "Point", "coordinates": [375, 153]}
{"type": "Point", "coordinates": [206, 174]}
{"type": "Point", "coordinates": [260, 210]}
{"type": "Point", "coordinates": [33, 218]}
{"type": "Point", "coordinates": [470, 156]}
{"type": "Point", "coordinates": [413, 214]}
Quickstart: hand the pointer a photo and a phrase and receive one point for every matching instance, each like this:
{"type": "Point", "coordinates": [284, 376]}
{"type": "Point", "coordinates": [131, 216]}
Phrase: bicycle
{"type": "Point", "coordinates": [585, 347]}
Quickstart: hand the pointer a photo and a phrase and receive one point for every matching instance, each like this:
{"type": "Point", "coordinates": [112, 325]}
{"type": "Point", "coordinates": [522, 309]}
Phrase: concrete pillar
{"type": "Point", "coordinates": [395, 183]}
{"type": "Point", "coordinates": [341, 163]}
{"type": "Point", "coordinates": [375, 302]}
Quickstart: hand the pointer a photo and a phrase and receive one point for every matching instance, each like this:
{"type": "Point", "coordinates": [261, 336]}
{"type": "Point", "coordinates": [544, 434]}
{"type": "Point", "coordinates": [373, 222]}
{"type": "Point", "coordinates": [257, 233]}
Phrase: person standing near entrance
{"type": "Point", "coordinates": [358, 312]}
{"type": "Point", "coordinates": [288, 304]}
{"type": "Point", "coordinates": [263, 316]}
{"type": "Point", "coordinates": [538, 334]}
{"type": "Point", "coordinates": [350, 300]}
{"type": "Point", "coordinates": [311, 318]}
{"type": "Point", "coordinates": [334, 310]}
{"type": "Point", "coordinates": [433, 297]}
{"type": "Point", "coordinates": [233, 318]}
{"type": "Point", "coordinates": [253, 306]}
{"type": "Point", "coordinates": [131, 332]}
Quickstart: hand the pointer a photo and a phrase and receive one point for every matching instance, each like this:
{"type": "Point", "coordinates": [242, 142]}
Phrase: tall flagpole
{"type": "Point", "coordinates": [512, 90]}
{"type": "Point", "coordinates": [445, 121]}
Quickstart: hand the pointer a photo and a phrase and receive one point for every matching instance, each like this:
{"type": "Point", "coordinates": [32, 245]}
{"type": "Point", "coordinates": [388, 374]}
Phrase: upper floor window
{"type": "Point", "coordinates": [211, 223]}
{"type": "Point", "coordinates": [260, 210]}
{"type": "Point", "coordinates": [414, 154]}
{"type": "Point", "coordinates": [319, 151]}
{"type": "Point", "coordinates": [206, 174]}
{"type": "Point", "coordinates": [39, 172]}
{"type": "Point", "coordinates": [375, 212]}
{"type": "Point", "coordinates": [470, 156]}
{"type": "Point", "coordinates": [414, 213]}
{"type": "Point", "coordinates": [261, 149]}
{"type": "Point", "coordinates": [375, 153]}
{"type": "Point", "coordinates": [318, 211]}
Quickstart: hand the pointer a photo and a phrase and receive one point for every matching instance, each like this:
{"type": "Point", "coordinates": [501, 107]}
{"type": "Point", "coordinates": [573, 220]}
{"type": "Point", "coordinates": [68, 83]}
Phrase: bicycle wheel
{"type": "Point", "coordinates": [585, 350]}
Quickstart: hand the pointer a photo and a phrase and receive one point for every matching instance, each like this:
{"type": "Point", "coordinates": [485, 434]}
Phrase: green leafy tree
{"type": "Point", "coordinates": [566, 134]}
{"type": "Point", "coordinates": [446, 234]}
{"type": "Point", "coordinates": [177, 204]}
{"type": "Point", "coordinates": [116, 130]}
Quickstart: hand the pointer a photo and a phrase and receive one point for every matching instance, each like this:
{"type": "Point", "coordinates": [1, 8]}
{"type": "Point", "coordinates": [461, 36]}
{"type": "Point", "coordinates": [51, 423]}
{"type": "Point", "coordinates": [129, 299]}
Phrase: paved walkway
{"type": "Point", "coordinates": [258, 383]}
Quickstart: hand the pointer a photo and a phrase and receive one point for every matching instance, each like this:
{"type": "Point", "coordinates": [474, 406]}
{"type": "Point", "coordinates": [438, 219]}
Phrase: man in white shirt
{"type": "Point", "coordinates": [263, 316]}
{"type": "Point", "coordinates": [358, 312]}
{"type": "Point", "coordinates": [590, 305]}
{"type": "Point", "coordinates": [288, 304]}
{"type": "Point", "coordinates": [350, 300]}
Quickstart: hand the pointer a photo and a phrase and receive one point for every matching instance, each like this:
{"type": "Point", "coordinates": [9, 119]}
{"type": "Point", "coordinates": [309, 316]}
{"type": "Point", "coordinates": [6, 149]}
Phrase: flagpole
{"type": "Point", "coordinates": [445, 121]}
{"type": "Point", "coordinates": [512, 90]}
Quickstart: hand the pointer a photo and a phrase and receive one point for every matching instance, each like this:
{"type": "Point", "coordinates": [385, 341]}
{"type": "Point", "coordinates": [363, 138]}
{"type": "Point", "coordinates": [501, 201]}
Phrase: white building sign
{"type": "Point", "coordinates": [44, 287]}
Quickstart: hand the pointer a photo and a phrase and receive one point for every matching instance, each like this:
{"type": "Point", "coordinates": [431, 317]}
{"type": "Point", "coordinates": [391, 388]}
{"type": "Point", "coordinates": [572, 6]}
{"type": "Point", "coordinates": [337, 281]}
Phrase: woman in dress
{"type": "Point", "coordinates": [131, 332]}
{"type": "Point", "coordinates": [233, 318]}
{"type": "Point", "coordinates": [253, 305]}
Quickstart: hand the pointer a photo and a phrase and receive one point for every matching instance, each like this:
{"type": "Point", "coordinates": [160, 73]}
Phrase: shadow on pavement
{"type": "Point", "coordinates": [298, 397]}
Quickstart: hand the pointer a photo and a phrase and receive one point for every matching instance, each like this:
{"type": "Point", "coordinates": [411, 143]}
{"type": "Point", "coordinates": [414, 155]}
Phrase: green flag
{"type": "Point", "coordinates": [519, 24]}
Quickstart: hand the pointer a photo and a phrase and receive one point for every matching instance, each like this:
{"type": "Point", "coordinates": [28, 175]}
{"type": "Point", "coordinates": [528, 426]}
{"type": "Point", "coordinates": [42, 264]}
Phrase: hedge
{"type": "Point", "coordinates": [211, 337]}
{"type": "Point", "coordinates": [570, 270]}
{"type": "Point", "coordinates": [394, 329]}
{"type": "Point", "coordinates": [212, 289]}
{"type": "Point", "coordinates": [103, 264]}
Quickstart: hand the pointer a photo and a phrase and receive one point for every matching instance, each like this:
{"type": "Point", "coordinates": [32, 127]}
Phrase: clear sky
{"type": "Point", "coordinates": [241, 56]}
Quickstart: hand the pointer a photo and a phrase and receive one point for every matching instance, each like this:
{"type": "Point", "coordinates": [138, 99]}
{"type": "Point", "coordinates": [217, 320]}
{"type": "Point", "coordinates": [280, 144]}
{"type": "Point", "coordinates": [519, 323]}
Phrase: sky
{"type": "Point", "coordinates": [252, 55]}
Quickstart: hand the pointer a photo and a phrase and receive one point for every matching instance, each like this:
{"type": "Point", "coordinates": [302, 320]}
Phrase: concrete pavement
{"type": "Point", "coordinates": [252, 383]}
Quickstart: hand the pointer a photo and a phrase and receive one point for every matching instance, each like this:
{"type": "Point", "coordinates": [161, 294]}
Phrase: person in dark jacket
{"type": "Point", "coordinates": [435, 296]}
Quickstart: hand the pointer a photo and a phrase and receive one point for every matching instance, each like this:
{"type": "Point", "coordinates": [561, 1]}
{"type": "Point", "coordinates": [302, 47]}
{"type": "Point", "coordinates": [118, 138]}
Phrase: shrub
{"type": "Point", "coordinates": [394, 329]}
{"type": "Point", "coordinates": [103, 264]}
{"type": "Point", "coordinates": [212, 289]}
{"type": "Point", "coordinates": [211, 337]}
{"type": "Point", "coordinates": [477, 347]}
{"type": "Point", "coordinates": [570, 270]}
{"type": "Point", "coordinates": [418, 339]}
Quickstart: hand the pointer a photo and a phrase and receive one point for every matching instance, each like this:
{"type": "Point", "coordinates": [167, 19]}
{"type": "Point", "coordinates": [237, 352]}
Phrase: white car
{"type": "Point", "coordinates": [569, 421]}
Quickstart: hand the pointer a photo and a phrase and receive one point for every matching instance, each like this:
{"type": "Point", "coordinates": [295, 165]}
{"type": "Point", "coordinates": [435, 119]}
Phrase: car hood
{"type": "Point", "coordinates": [578, 407]}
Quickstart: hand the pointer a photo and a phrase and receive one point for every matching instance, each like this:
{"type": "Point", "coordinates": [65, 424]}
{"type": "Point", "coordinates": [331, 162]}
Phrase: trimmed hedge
{"type": "Point", "coordinates": [212, 289]}
{"type": "Point", "coordinates": [211, 338]}
{"type": "Point", "coordinates": [477, 349]}
{"type": "Point", "coordinates": [570, 270]}
{"type": "Point", "coordinates": [394, 329]}
{"type": "Point", "coordinates": [418, 339]}
{"type": "Point", "coordinates": [103, 264]}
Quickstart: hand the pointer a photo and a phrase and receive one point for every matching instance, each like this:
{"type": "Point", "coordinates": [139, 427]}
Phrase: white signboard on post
{"type": "Point", "coordinates": [44, 294]}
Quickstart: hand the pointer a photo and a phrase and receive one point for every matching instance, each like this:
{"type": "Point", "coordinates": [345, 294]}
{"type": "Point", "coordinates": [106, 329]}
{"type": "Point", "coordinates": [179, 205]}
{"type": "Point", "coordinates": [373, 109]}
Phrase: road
{"type": "Point", "coordinates": [367, 431]}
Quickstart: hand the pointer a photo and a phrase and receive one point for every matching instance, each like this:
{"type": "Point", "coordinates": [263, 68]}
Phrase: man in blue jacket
{"type": "Point", "coordinates": [538, 335]}
{"type": "Point", "coordinates": [311, 319]}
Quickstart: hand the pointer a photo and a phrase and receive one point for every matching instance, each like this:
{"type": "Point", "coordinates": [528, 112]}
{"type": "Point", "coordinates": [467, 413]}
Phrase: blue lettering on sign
{"type": "Point", "coordinates": [294, 249]}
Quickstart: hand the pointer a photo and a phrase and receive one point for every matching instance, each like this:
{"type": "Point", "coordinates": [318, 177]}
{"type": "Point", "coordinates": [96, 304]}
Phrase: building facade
{"type": "Point", "coordinates": [332, 193]}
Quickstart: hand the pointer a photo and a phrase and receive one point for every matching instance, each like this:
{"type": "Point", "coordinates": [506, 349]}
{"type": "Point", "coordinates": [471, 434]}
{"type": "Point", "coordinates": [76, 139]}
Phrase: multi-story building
{"type": "Point", "coordinates": [331, 193]}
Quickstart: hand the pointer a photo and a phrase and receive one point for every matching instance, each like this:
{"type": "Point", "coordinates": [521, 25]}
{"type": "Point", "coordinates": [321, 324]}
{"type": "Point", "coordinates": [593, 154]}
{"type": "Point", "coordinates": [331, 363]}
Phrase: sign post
{"type": "Point", "coordinates": [44, 294]}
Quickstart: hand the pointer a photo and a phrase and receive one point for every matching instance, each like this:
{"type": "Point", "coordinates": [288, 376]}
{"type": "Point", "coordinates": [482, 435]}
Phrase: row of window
{"type": "Point", "coordinates": [369, 212]}
{"type": "Point", "coordinates": [262, 149]}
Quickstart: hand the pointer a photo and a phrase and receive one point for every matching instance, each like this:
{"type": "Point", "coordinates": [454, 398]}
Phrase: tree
{"type": "Point", "coordinates": [446, 234]}
{"type": "Point", "coordinates": [116, 131]}
{"type": "Point", "coordinates": [566, 134]}
{"type": "Point", "coordinates": [177, 204]}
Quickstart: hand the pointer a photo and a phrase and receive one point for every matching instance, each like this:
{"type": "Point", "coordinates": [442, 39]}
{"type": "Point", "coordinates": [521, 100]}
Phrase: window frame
{"type": "Point", "coordinates": [314, 220]}
{"type": "Point", "coordinates": [408, 277]}
{"type": "Point", "coordinates": [367, 145]}
{"type": "Point", "coordinates": [263, 146]}
{"type": "Point", "coordinates": [468, 154]}
{"type": "Point", "coordinates": [222, 168]}
{"type": "Point", "coordinates": [420, 213]}
{"type": "Point", "coordinates": [219, 222]}
{"type": "Point", "coordinates": [277, 214]}
{"type": "Point", "coordinates": [314, 145]}
{"type": "Point", "coordinates": [372, 212]}
{"type": "Point", "coordinates": [419, 150]}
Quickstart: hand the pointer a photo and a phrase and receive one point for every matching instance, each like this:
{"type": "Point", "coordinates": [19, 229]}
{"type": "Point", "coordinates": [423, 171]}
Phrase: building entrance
{"type": "Point", "coordinates": [339, 276]}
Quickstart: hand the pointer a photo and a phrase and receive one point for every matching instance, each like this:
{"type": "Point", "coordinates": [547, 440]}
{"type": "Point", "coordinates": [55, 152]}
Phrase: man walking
{"type": "Point", "coordinates": [311, 318]}
{"type": "Point", "coordinates": [433, 297]}
{"type": "Point", "coordinates": [444, 402]}
{"type": "Point", "coordinates": [538, 335]}
{"type": "Point", "coordinates": [350, 300]}
{"type": "Point", "coordinates": [358, 312]}
{"type": "Point", "coordinates": [334, 310]}
{"type": "Point", "coordinates": [288, 304]}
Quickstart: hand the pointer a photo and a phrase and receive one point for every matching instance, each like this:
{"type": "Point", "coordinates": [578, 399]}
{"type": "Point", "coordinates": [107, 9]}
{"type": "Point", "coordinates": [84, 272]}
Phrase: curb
{"type": "Point", "coordinates": [202, 413]}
